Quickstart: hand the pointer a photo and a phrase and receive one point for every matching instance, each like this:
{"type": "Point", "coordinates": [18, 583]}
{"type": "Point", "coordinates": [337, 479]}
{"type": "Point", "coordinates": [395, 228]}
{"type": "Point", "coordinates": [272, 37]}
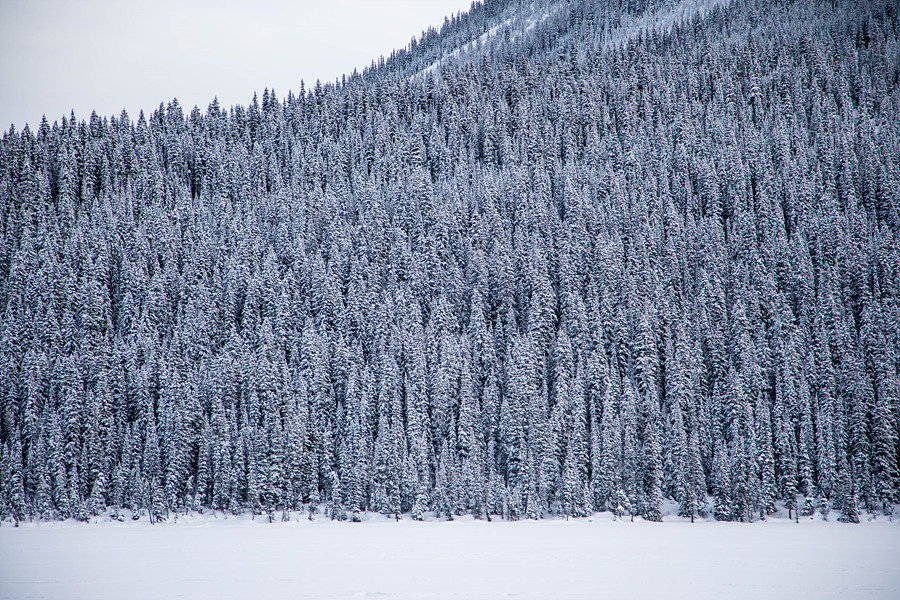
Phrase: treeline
{"type": "Point", "coordinates": [522, 286]}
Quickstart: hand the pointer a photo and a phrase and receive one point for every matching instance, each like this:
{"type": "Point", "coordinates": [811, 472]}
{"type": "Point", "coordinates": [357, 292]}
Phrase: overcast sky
{"type": "Point", "coordinates": [106, 55]}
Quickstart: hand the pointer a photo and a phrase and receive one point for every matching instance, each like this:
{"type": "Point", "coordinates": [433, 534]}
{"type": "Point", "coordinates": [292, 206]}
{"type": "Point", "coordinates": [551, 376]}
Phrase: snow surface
{"type": "Point", "coordinates": [206, 557]}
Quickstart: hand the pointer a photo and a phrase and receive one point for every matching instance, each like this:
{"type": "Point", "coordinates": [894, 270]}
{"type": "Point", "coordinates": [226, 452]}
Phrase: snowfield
{"type": "Point", "coordinates": [206, 557]}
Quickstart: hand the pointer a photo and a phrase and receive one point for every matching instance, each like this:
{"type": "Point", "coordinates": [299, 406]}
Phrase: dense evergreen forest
{"type": "Point", "coordinates": [602, 258]}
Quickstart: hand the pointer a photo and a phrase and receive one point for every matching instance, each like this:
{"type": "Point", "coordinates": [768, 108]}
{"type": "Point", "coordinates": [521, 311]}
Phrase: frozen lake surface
{"type": "Point", "coordinates": [202, 557]}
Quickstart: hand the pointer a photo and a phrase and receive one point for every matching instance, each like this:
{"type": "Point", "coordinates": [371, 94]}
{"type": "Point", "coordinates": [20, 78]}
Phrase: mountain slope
{"type": "Point", "coordinates": [500, 29]}
{"type": "Point", "coordinates": [591, 266]}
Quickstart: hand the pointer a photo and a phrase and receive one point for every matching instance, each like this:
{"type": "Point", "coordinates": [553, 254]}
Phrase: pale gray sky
{"type": "Point", "coordinates": [106, 55]}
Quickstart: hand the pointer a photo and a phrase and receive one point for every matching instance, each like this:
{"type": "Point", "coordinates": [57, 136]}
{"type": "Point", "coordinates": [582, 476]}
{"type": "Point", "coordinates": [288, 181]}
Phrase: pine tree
{"type": "Point", "coordinates": [632, 491]}
{"type": "Point", "coordinates": [722, 510]}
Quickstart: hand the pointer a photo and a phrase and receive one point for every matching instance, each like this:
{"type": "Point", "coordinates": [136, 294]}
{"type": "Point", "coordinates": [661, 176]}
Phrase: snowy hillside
{"type": "Point", "coordinates": [604, 256]}
{"type": "Point", "coordinates": [523, 21]}
{"type": "Point", "coordinates": [500, 30]}
{"type": "Point", "coordinates": [470, 324]}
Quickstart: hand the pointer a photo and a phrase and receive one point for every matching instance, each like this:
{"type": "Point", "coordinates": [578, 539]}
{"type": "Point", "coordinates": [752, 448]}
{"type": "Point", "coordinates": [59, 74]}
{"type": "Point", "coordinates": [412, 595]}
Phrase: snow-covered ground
{"type": "Point", "coordinates": [202, 557]}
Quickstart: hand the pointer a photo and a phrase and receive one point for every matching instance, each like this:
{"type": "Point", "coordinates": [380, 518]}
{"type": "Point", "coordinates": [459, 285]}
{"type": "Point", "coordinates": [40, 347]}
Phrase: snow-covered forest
{"type": "Point", "coordinates": [609, 254]}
